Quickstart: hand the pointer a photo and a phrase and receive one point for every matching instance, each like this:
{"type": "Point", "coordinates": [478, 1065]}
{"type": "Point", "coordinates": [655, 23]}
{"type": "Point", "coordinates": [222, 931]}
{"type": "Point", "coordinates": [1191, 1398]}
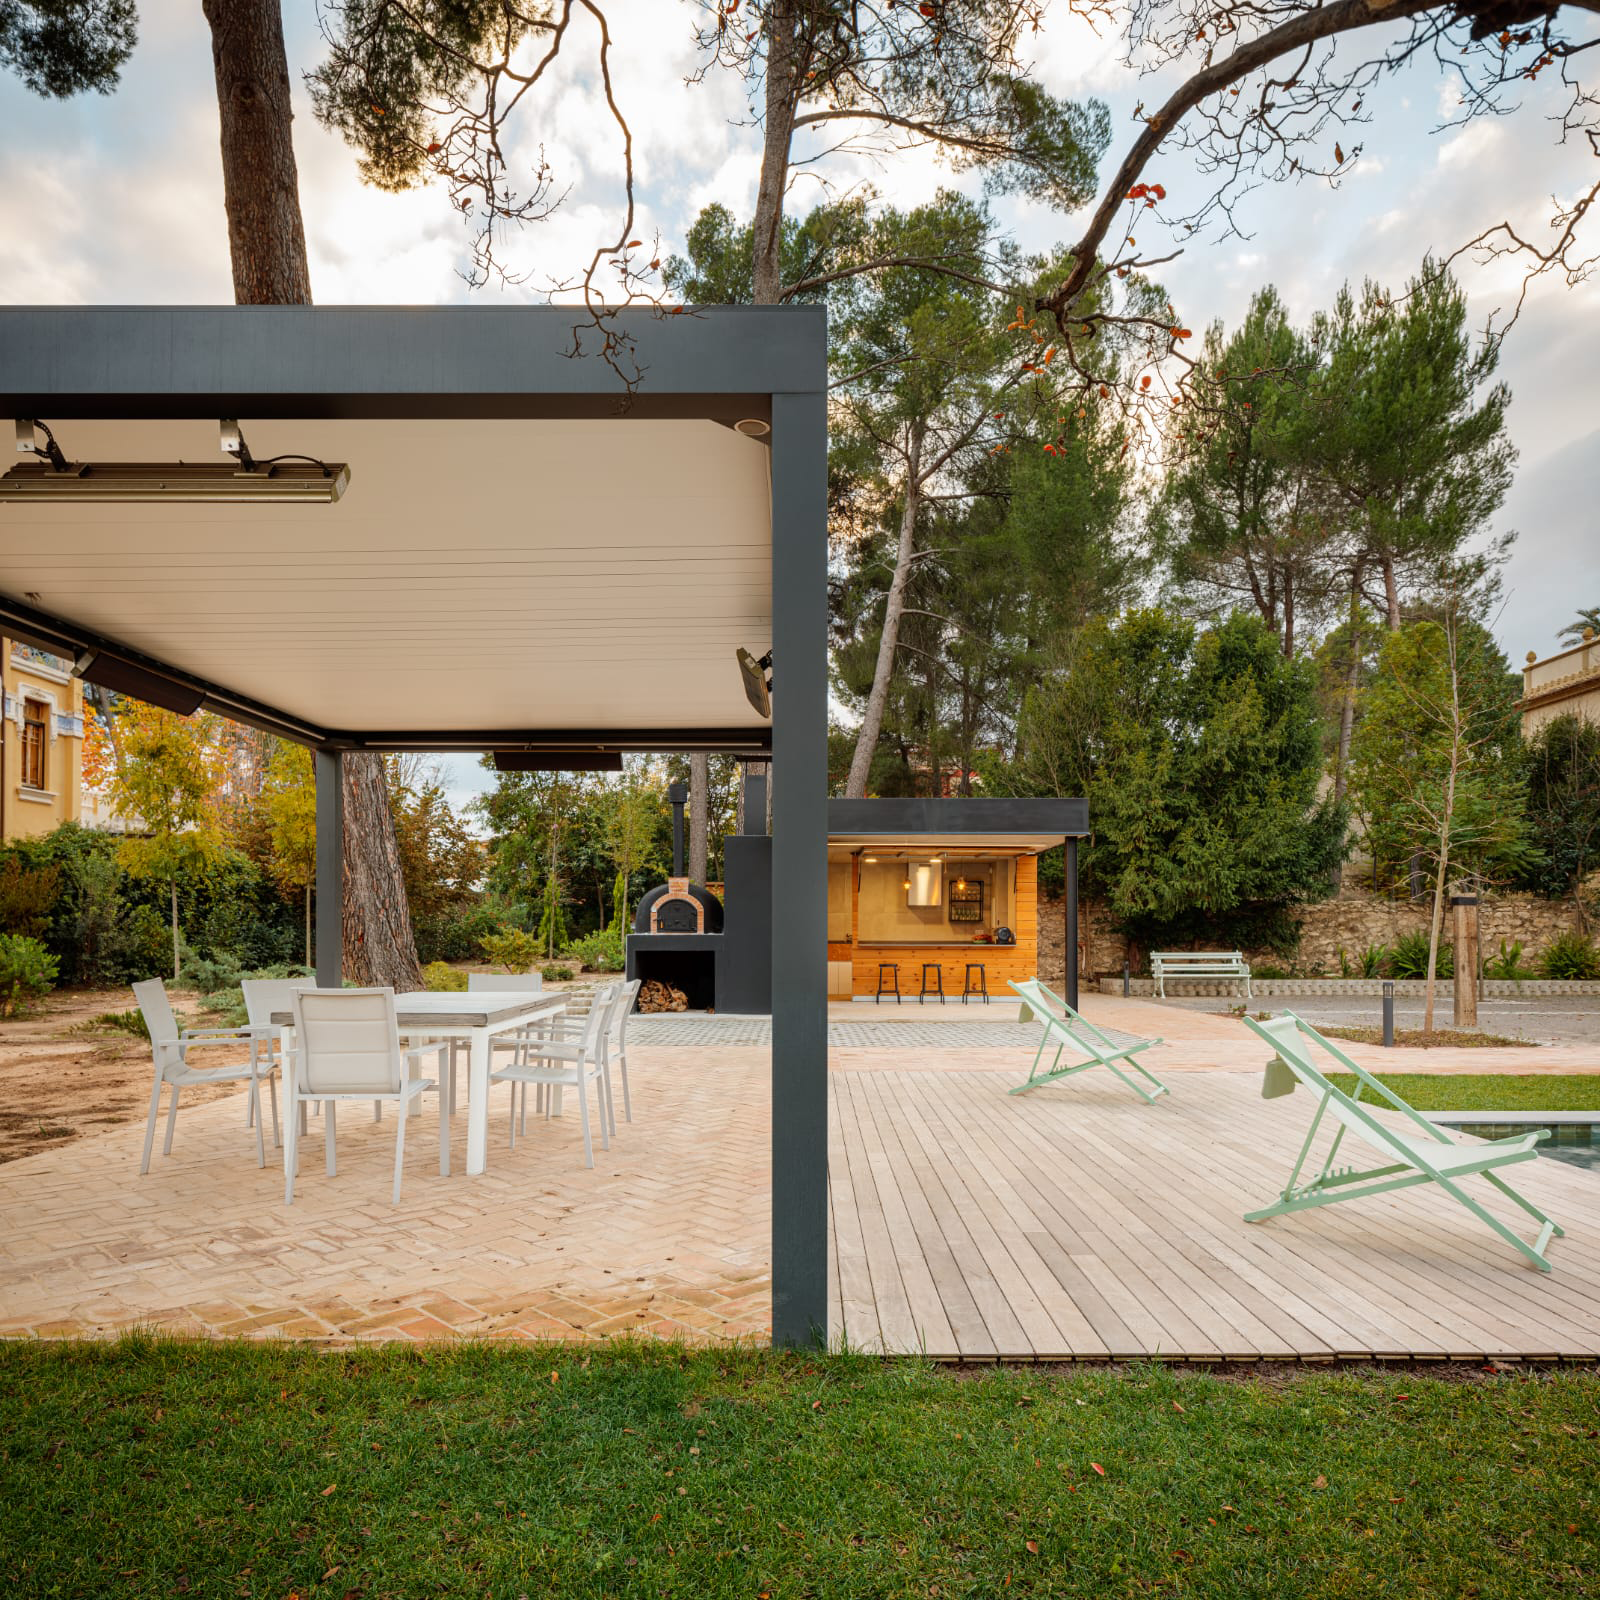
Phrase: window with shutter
{"type": "Point", "coordinates": [34, 740]}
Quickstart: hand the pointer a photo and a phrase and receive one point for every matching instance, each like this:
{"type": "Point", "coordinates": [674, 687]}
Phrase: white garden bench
{"type": "Point", "coordinates": [1166, 964]}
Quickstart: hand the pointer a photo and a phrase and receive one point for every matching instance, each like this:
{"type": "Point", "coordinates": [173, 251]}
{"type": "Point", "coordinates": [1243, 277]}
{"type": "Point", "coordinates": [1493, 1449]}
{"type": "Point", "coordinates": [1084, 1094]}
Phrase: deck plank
{"type": "Point", "coordinates": [1079, 1222]}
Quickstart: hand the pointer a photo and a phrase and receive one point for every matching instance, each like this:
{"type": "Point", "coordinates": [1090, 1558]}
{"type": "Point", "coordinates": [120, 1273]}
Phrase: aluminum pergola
{"type": "Point", "coordinates": [521, 562]}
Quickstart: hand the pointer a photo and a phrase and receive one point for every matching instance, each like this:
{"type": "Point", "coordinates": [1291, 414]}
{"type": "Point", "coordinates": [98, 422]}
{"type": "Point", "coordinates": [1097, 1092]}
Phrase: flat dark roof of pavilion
{"type": "Point", "coordinates": [523, 546]}
{"type": "Point", "coordinates": [975, 814]}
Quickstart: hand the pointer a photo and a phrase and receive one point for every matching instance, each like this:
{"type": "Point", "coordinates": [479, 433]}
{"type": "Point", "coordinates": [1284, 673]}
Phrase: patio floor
{"type": "Point", "coordinates": [1074, 1222]}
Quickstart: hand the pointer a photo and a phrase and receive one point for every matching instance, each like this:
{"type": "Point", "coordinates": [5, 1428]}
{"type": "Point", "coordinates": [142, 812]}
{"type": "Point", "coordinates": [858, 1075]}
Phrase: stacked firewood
{"type": "Point", "coordinates": [654, 995]}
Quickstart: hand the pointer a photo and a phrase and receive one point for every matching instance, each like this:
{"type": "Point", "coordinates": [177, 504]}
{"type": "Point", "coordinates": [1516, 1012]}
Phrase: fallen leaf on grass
{"type": "Point", "coordinates": [1033, 1547]}
{"type": "Point", "coordinates": [1098, 1468]}
{"type": "Point", "coordinates": [1321, 1482]}
{"type": "Point", "coordinates": [329, 1490]}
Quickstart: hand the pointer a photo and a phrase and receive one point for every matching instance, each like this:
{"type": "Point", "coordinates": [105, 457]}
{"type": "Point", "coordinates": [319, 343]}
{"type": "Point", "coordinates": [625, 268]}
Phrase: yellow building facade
{"type": "Point", "coordinates": [1567, 684]}
{"type": "Point", "coordinates": [41, 751]}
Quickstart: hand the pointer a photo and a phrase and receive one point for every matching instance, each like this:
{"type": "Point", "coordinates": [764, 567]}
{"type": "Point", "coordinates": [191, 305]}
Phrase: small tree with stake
{"type": "Point", "coordinates": [164, 786]}
{"type": "Point", "coordinates": [1436, 766]}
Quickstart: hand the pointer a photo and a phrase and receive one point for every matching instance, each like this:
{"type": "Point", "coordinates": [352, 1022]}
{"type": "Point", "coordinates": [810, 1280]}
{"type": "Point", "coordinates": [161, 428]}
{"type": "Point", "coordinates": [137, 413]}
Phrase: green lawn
{"type": "Point", "coordinates": [1444, 1091]}
{"type": "Point", "coordinates": [157, 1469]}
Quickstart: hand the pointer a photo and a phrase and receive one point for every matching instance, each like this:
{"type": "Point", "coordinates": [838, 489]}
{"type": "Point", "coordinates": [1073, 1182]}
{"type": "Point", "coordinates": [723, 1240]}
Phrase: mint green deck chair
{"type": "Point", "coordinates": [1432, 1158]}
{"type": "Point", "coordinates": [1064, 1027]}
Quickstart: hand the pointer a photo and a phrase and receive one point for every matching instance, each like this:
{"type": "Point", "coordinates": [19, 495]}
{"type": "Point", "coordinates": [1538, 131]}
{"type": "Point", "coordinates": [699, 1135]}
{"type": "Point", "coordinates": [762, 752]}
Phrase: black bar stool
{"type": "Point", "coordinates": [938, 981]}
{"type": "Point", "coordinates": [982, 985]}
{"type": "Point", "coordinates": [893, 969]}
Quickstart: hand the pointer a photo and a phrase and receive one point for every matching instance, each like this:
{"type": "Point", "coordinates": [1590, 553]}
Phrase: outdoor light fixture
{"type": "Point", "coordinates": [558, 761]}
{"type": "Point", "coordinates": [752, 427]}
{"type": "Point", "coordinates": [139, 683]}
{"type": "Point", "coordinates": [245, 480]}
{"type": "Point", "coordinates": [757, 675]}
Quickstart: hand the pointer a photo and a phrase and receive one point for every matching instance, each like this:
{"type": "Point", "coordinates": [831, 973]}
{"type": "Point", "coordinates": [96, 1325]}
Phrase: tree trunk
{"type": "Point", "coordinates": [267, 245]}
{"type": "Point", "coordinates": [261, 188]}
{"type": "Point", "coordinates": [877, 701]}
{"type": "Point", "coordinates": [308, 924]}
{"type": "Point", "coordinates": [1347, 711]}
{"type": "Point", "coordinates": [1437, 919]}
{"type": "Point", "coordinates": [699, 822]}
{"type": "Point", "coordinates": [378, 945]}
{"type": "Point", "coordinates": [176, 957]}
{"type": "Point", "coordinates": [785, 67]}
{"type": "Point", "coordinates": [1288, 617]}
{"type": "Point", "coordinates": [1391, 594]}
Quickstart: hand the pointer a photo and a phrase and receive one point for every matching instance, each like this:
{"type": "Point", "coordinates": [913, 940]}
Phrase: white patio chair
{"type": "Point", "coordinates": [263, 996]}
{"type": "Point", "coordinates": [568, 1064]}
{"type": "Point", "coordinates": [615, 1047]}
{"type": "Point", "coordinates": [347, 1047]}
{"type": "Point", "coordinates": [169, 1052]}
{"type": "Point", "coordinates": [517, 982]}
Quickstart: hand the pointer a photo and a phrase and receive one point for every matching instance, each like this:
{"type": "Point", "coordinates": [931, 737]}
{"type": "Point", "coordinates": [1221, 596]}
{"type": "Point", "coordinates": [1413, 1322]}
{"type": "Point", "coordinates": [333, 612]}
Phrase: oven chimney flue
{"type": "Point", "coordinates": [678, 796]}
{"type": "Point", "coordinates": [755, 801]}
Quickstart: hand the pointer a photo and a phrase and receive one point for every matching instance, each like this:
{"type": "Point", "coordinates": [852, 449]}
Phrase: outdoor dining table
{"type": "Point", "coordinates": [478, 1016]}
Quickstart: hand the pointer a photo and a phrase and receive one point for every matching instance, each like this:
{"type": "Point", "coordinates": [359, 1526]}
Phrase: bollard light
{"type": "Point", "coordinates": [1388, 1013]}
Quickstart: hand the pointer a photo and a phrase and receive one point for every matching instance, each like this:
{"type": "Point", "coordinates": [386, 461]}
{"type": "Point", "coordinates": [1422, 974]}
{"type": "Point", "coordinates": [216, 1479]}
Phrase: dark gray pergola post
{"type": "Point", "coordinates": [1071, 898]}
{"type": "Point", "coordinates": [330, 868]}
{"type": "Point", "coordinates": [799, 869]}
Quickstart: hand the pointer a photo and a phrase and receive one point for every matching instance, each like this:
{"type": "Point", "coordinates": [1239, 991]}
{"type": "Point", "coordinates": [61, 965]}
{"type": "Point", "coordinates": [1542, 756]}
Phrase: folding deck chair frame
{"type": "Point", "coordinates": [1414, 1159]}
{"type": "Point", "coordinates": [1076, 1029]}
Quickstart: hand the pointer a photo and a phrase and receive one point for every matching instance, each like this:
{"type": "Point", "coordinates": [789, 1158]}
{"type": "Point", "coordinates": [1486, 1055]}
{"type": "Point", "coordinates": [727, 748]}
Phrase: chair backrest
{"type": "Point", "coordinates": [263, 996]}
{"type": "Point", "coordinates": [597, 1025]}
{"type": "Point", "coordinates": [531, 982]}
{"type": "Point", "coordinates": [1293, 1039]}
{"type": "Point", "coordinates": [617, 1027]}
{"type": "Point", "coordinates": [159, 1021]}
{"type": "Point", "coordinates": [349, 1042]}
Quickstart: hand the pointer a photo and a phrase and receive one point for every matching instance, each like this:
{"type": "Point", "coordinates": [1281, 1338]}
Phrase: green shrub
{"type": "Point", "coordinates": [125, 1022]}
{"type": "Point", "coordinates": [1409, 958]}
{"type": "Point", "coordinates": [207, 974]}
{"type": "Point", "coordinates": [27, 897]}
{"type": "Point", "coordinates": [1265, 969]}
{"type": "Point", "coordinates": [1507, 966]}
{"type": "Point", "coordinates": [27, 972]}
{"type": "Point", "coordinates": [511, 949]}
{"type": "Point", "coordinates": [455, 935]}
{"type": "Point", "coordinates": [1571, 957]}
{"type": "Point", "coordinates": [227, 1001]}
{"type": "Point", "coordinates": [443, 978]}
{"type": "Point", "coordinates": [144, 947]}
{"type": "Point", "coordinates": [598, 952]}
{"type": "Point", "coordinates": [1374, 959]}
{"type": "Point", "coordinates": [554, 972]}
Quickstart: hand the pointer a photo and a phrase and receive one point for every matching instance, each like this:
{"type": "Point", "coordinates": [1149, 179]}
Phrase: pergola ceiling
{"type": "Point", "coordinates": [476, 575]}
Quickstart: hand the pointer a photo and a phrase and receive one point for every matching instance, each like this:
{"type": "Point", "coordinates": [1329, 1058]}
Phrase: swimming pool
{"type": "Point", "coordinates": [1574, 1135]}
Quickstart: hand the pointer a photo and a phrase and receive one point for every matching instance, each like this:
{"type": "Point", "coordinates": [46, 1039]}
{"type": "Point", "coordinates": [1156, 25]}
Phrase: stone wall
{"type": "Point", "coordinates": [1351, 922]}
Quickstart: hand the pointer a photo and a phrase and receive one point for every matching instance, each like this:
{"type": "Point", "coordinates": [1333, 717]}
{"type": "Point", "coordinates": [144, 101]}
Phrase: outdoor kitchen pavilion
{"type": "Point", "coordinates": [520, 562]}
{"type": "Point", "coordinates": [935, 898]}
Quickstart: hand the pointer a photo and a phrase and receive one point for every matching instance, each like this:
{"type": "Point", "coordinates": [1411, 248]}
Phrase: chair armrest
{"type": "Point", "coordinates": [417, 1052]}
{"type": "Point", "coordinates": [222, 1035]}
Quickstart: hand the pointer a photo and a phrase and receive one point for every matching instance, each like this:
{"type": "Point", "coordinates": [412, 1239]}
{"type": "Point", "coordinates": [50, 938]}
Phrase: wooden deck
{"type": "Point", "coordinates": [1077, 1222]}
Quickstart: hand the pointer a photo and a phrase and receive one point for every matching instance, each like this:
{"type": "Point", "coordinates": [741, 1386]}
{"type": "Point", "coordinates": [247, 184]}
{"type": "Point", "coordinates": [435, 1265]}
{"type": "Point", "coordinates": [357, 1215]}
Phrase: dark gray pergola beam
{"type": "Point", "coordinates": [330, 868]}
{"type": "Point", "coordinates": [398, 361]}
{"type": "Point", "coordinates": [799, 871]}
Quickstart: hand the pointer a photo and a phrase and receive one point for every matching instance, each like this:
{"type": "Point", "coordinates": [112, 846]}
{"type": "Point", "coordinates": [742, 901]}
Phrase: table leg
{"type": "Point", "coordinates": [478, 1101]}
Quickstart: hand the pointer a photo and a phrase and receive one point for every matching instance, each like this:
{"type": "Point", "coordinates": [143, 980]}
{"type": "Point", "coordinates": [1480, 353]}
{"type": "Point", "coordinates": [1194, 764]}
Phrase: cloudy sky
{"type": "Point", "coordinates": [119, 199]}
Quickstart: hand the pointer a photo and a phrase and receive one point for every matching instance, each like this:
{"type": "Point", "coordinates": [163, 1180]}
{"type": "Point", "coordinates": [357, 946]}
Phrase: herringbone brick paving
{"type": "Point", "coordinates": [667, 1235]}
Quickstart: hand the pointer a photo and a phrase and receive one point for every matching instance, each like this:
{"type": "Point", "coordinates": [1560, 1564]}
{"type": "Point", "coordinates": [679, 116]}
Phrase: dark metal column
{"type": "Point", "coordinates": [330, 868]}
{"type": "Point", "coordinates": [799, 869]}
{"type": "Point", "coordinates": [1071, 899]}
